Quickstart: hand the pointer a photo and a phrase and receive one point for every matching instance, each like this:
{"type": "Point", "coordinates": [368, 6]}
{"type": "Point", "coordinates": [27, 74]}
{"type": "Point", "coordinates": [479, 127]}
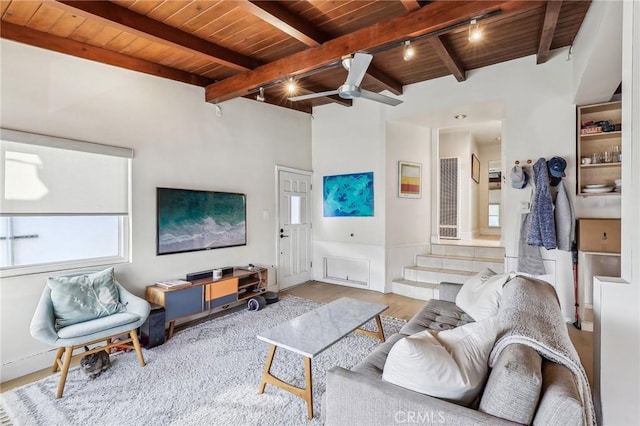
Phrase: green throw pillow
{"type": "Point", "coordinates": [85, 297]}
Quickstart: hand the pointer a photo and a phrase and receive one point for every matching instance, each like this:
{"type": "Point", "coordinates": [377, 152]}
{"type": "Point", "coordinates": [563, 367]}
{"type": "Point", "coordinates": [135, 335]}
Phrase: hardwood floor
{"type": "Point", "coordinates": [399, 307]}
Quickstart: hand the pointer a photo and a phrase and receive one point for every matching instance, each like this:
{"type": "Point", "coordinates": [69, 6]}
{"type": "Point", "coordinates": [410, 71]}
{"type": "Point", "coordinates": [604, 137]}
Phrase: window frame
{"type": "Point", "coordinates": [124, 220]}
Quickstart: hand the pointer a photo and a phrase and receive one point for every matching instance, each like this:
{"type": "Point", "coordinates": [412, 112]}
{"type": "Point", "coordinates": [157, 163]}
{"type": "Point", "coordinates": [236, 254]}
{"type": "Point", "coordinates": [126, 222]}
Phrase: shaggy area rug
{"type": "Point", "coordinates": [206, 374]}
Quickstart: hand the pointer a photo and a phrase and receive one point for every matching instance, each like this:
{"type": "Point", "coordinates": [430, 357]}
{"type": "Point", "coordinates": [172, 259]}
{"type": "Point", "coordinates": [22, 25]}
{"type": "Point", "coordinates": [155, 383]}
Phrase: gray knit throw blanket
{"type": "Point", "coordinates": [530, 314]}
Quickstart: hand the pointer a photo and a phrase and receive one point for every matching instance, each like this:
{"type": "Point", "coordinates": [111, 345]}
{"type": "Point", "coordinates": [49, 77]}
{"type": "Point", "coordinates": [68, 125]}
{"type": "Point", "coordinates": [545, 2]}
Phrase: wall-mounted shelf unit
{"type": "Point", "coordinates": [594, 139]}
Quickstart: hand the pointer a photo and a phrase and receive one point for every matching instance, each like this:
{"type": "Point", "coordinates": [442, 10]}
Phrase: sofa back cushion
{"type": "Point", "coordinates": [480, 294]}
{"type": "Point", "coordinates": [560, 401]}
{"type": "Point", "coordinates": [514, 384]}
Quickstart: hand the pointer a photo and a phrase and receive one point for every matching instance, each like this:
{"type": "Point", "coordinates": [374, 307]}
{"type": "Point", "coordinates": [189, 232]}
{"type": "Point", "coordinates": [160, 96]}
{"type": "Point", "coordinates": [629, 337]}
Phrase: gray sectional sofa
{"type": "Point", "coordinates": [522, 387]}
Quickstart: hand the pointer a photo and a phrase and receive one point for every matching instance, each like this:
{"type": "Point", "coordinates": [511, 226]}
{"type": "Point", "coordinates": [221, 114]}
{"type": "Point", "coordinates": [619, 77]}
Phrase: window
{"type": "Point", "coordinates": [65, 203]}
{"type": "Point", "coordinates": [494, 215]}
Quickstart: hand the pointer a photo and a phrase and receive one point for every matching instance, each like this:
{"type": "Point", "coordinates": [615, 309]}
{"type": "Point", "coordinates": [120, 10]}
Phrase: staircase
{"type": "Point", "coordinates": [447, 262]}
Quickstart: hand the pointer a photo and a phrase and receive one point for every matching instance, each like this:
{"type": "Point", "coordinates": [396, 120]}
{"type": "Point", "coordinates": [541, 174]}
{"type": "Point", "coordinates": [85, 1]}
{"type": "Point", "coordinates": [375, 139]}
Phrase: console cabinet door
{"type": "Point", "coordinates": [220, 293]}
{"type": "Point", "coordinates": [183, 302]}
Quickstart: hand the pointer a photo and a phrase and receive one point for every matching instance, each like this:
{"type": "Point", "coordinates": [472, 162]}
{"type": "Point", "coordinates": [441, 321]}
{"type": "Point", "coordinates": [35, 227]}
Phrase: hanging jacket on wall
{"type": "Point", "coordinates": [542, 231]}
{"type": "Point", "coordinates": [565, 218]}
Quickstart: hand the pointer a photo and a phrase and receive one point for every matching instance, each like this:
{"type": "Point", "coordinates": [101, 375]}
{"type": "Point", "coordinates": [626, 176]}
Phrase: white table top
{"type": "Point", "coordinates": [313, 332]}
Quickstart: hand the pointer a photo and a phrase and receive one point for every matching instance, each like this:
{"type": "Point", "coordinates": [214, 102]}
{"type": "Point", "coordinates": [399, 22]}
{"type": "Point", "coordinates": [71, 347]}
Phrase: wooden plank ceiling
{"type": "Point", "coordinates": [233, 48]}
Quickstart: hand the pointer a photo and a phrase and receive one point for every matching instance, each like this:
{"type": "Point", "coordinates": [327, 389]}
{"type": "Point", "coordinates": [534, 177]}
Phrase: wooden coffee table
{"type": "Point", "coordinates": [315, 331]}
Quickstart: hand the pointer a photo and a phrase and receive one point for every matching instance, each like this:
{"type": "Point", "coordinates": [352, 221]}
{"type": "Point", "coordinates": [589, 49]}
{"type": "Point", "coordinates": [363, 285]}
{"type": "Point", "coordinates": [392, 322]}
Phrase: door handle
{"type": "Point", "coordinates": [284, 236]}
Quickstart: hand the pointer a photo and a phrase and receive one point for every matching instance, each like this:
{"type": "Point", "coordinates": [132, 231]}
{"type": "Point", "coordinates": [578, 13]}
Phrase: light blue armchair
{"type": "Point", "coordinates": [88, 333]}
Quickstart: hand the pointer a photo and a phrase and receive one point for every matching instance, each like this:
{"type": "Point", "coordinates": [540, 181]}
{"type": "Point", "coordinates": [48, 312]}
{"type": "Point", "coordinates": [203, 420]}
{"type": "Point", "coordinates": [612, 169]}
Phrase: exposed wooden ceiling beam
{"type": "Point", "coordinates": [113, 15]}
{"type": "Point", "coordinates": [306, 33]}
{"type": "Point", "coordinates": [436, 16]}
{"type": "Point", "coordinates": [548, 29]}
{"type": "Point", "coordinates": [385, 80]}
{"type": "Point", "coordinates": [284, 20]}
{"type": "Point", "coordinates": [410, 5]}
{"type": "Point", "coordinates": [81, 50]}
{"type": "Point", "coordinates": [450, 60]}
{"type": "Point", "coordinates": [298, 106]}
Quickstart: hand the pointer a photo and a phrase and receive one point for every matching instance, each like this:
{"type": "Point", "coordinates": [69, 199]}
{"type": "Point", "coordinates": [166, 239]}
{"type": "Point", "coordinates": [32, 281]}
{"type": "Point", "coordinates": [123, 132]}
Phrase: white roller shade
{"type": "Point", "coordinates": [44, 175]}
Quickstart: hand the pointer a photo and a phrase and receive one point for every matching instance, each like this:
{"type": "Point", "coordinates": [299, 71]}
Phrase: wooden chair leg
{"type": "Point", "coordinates": [136, 344]}
{"type": "Point", "coordinates": [65, 369]}
{"type": "Point", "coordinates": [56, 364]}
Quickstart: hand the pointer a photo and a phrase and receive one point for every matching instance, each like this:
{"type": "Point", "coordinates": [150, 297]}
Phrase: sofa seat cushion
{"type": "Point", "coordinates": [436, 315]}
{"type": "Point", "coordinates": [450, 364]}
{"type": "Point", "coordinates": [514, 384]}
{"type": "Point", "coordinates": [96, 325]}
{"type": "Point", "coordinates": [373, 364]}
{"type": "Point", "coordinates": [560, 401]}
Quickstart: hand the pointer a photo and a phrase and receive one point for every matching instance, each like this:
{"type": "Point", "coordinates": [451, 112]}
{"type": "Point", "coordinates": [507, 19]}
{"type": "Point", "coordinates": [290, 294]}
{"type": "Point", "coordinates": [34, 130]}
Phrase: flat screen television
{"type": "Point", "coordinates": [190, 220]}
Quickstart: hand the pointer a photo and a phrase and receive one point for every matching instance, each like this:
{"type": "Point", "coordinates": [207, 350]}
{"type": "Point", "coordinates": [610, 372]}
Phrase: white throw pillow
{"type": "Point", "coordinates": [480, 295]}
{"type": "Point", "coordinates": [450, 364]}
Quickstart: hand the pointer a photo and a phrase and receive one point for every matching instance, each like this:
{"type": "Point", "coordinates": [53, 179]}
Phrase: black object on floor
{"type": "Point", "coordinates": [152, 332]}
{"type": "Point", "coordinates": [256, 303]}
{"type": "Point", "coordinates": [271, 297]}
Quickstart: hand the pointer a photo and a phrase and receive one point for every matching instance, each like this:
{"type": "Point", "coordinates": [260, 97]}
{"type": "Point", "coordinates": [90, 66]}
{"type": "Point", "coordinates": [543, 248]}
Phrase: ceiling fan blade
{"type": "Point", "coordinates": [379, 98]}
{"type": "Point", "coordinates": [313, 95]}
{"type": "Point", "coordinates": [358, 68]}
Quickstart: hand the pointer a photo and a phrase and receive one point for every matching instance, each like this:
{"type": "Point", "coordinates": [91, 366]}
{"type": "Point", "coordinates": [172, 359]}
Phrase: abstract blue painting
{"type": "Point", "coordinates": [348, 195]}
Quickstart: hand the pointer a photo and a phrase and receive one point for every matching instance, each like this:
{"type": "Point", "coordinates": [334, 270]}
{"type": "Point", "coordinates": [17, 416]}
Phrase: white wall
{"type": "Point", "coordinates": [178, 141]}
{"type": "Point", "coordinates": [350, 140]}
{"type": "Point", "coordinates": [407, 219]}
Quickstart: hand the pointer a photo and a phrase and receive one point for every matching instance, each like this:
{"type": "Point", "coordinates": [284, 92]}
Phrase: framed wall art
{"type": "Point", "coordinates": [475, 168]}
{"type": "Point", "coordinates": [348, 195]}
{"type": "Point", "coordinates": [409, 180]}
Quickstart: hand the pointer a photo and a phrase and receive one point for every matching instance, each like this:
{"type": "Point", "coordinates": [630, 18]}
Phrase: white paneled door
{"type": "Point", "coordinates": [294, 230]}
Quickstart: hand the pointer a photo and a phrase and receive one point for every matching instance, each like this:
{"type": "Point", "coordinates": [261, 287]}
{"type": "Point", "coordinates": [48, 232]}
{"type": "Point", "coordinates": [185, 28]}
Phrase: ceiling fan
{"type": "Point", "coordinates": [357, 67]}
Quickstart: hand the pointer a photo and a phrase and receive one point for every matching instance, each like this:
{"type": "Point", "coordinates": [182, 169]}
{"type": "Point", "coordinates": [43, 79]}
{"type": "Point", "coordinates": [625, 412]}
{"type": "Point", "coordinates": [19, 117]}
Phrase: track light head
{"type": "Point", "coordinates": [475, 33]}
{"type": "Point", "coordinates": [408, 52]}
{"type": "Point", "coordinates": [291, 86]}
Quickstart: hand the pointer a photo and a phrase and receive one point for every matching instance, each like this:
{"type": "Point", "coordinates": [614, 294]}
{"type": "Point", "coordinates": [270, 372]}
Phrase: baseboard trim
{"type": "Point", "coordinates": [21, 367]}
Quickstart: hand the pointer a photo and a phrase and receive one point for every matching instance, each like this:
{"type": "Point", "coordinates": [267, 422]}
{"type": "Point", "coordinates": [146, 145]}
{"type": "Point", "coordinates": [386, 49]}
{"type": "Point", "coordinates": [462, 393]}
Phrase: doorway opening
{"type": "Point", "coordinates": [469, 196]}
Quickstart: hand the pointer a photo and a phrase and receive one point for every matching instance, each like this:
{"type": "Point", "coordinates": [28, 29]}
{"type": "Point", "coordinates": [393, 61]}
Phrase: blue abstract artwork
{"type": "Point", "coordinates": [348, 195]}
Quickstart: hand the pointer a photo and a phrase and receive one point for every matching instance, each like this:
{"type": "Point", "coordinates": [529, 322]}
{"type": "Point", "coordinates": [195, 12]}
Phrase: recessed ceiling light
{"type": "Point", "coordinates": [459, 116]}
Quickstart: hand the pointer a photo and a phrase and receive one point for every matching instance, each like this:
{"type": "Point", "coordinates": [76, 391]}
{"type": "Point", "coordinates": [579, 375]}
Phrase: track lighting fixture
{"type": "Point", "coordinates": [260, 95]}
{"type": "Point", "coordinates": [408, 51]}
{"type": "Point", "coordinates": [291, 86]}
{"type": "Point", "coordinates": [475, 33]}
